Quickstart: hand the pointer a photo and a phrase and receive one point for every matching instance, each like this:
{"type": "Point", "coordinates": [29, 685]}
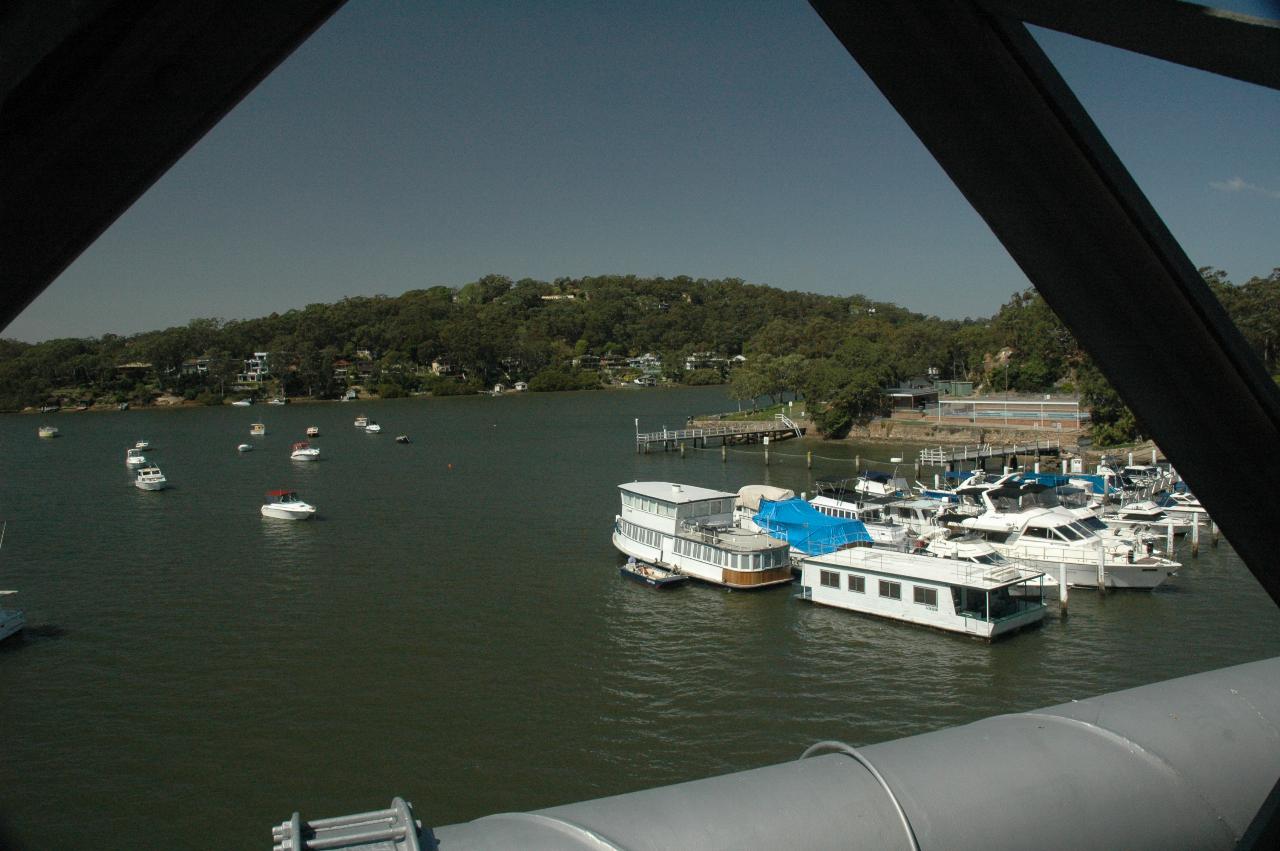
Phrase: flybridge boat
{"type": "Point", "coordinates": [285, 505]}
{"type": "Point", "coordinates": [150, 479]}
{"type": "Point", "coordinates": [1146, 514]}
{"type": "Point", "coordinates": [1183, 504]}
{"type": "Point", "coordinates": [134, 458]}
{"type": "Point", "coordinates": [983, 599]}
{"type": "Point", "coordinates": [303, 451]}
{"type": "Point", "coordinates": [1020, 527]}
{"type": "Point", "coordinates": [691, 530]}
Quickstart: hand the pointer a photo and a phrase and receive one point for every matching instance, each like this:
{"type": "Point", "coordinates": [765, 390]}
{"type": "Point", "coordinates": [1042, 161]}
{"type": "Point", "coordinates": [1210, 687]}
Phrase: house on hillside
{"type": "Point", "coordinates": [256, 369]}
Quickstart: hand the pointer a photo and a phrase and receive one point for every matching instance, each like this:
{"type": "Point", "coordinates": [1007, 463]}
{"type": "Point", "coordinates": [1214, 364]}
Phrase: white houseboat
{"type": "Point", "coordinates": [691, 530]}
{"type": "Point", "coordinates": [983, 600]}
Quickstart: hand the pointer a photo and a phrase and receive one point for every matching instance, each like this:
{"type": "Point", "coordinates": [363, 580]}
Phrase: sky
{"type": "Point", "coordinates": [409, 144]}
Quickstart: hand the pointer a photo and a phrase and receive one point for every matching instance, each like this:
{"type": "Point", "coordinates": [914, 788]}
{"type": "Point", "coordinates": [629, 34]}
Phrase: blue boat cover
{"type": "Point", "coordinates": [806, 528]}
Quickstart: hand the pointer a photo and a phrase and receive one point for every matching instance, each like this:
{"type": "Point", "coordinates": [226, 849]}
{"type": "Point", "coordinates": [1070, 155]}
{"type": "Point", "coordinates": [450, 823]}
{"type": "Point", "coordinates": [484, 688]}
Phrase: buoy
{"type": "Point", "coordinates": [450, 466]}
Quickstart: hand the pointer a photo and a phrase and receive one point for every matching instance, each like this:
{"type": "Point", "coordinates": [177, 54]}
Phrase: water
{"type": "Point", "coordinates": [452, 628]}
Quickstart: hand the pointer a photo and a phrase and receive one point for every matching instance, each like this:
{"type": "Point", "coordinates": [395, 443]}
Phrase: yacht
{"type": "Point", "coordinates": [691, 530]}
{"type": "Point", "coordinates": [372, 428]}
{"type": "Point", "coordinates": [285, 505]}
{"type": "Point", "coordinates": [1183, 504]}
{"type": "Point", "coordinates": [258, 429]}
{"type": "Point", "coordinates": [1020, 527]}
{"type": "Point", "coordinates": [303, 451]}
{"type": "Point", "coordinates": [985, 600]}
{"type": "Point", "coordinates": [1146, 514]}
{"type": "Point", "coordinates": [313, 431]}
{"type": "Point", "coordinates": [134, 457]}
{"type": "Point", "coordinates": [47, 431]}
{"type": "Point", "coordinates": [362, 421]}
{"type": "Point", "coordinates": [150, 479]}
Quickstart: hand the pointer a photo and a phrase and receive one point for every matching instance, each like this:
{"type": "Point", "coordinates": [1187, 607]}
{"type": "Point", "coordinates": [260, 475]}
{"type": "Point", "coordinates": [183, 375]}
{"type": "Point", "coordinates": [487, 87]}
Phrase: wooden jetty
{"type": "Point", "coordinates": [733, 431]}
{"type": "Point", "coordinates": [949, 456]}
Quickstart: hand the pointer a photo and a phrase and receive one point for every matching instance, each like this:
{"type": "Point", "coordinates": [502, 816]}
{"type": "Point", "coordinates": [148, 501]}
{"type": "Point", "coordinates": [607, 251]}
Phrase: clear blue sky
{"type": "Point", "coordinates": [409, 144]}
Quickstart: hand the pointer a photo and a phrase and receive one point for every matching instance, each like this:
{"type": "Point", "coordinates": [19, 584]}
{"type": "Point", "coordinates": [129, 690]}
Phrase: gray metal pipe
{"type": "Point", "coordinates": [1185, 763]}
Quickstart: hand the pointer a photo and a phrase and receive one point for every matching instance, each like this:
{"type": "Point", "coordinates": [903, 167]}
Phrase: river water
{"type": "Point", "coordinates": [451, 628]}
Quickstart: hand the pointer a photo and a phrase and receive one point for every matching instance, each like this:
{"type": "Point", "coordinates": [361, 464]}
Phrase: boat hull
{"type": "Point", "coordinates": [305, 456]}
{"type": "Point", "coordinates": [12, 622]}
{"type": "Point", "coordinates": [279, 513]}
{"type": "Point", "coordinates": [1142, 574]}
{"type": "Point", "coordinates": [151, 486]}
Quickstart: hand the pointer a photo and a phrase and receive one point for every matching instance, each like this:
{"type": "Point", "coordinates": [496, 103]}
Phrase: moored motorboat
{"type": "Point", "coordinates": [313, 431]}
{"type": "Point", "coordinates": [258, 429]}
{"type": "Point", "coordinates": [278, 401]}
{"type": "Point", "coordinates": [362, 421]}
{"type": "Point", "coordinates": [402, 438]}
{"type": "Point", "coordinates": [285, 505]}
{"type": "Point", "coordinates": [372, 428]}
{"type": "Point", "coordinates": [245, 447]}
{"type": "Point", "coordinates": [142, 444]}
{"type": "Point", "coordinates": [242, 403]}
{"type": "Point", "coordinates": [651, 575]}
{"type": "Point", "coordinates": [303, 451]}
{"type": "Point", "coordinates": [47, 431]}
{"type": "Point", "coordinates": [134, 457]}
{"type": "Point", "coordinates": [150, 479]}
{"type": "Point", "coordinates": [691, 530]}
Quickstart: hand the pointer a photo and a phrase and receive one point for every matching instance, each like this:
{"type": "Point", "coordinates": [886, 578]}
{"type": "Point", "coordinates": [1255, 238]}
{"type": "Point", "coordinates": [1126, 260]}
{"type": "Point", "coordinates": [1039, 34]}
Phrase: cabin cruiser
{"type": "Point", "coordinates": [372, 428]}
{"type": "Point", "coordinates": [142, 444]}
{"type": "Point", "coordinates": [150, 479]}
{"type": "Point", "coordinates": [134, 458]}
{"type": "Point", "coordinates": [1043, 535]}
{"type": "Point", "coordinates": [986, 600]}
{"type": "Point", "coordinates": [1146, 514]}
{"type": "Point", "coordinates": [835, 500]}
{"type": "Point", "coordinates": [258, 429]}
{"type": "Point", "coordinates": [691, 530]}
{"type": "Point", "coordinates": [362, 421]}
{"type": "Point", "coordinates": [313, 431]}
{"type": "Point", "coordinates": [47, 431]}
{"type": "Point", "coordinates": [1183, 504]}
{"type": "Point", "coordinates": [286, 505]}
{"type": "Point", "coordinates": [304, 451]}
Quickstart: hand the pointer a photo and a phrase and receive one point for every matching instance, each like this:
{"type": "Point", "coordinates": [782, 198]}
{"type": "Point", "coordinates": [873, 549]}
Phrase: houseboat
{"type": "Point", "coordinates": [691, 530]}
{"type": "Point", "coordinates": [982, 600]}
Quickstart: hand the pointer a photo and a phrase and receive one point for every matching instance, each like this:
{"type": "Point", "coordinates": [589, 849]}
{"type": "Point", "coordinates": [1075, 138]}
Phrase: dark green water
{"type": "Point", "coordinates": [457, 636]}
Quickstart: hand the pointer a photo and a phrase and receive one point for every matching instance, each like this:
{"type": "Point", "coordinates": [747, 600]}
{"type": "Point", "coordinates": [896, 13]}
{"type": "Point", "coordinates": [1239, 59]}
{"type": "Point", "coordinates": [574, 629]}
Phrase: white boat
{"type": "Point", "coordinates": [834, 500]}
{"type": "Point", "coordinates": [11, 620]}
{"type": "Point", "coordinates": [285, 505]}
{"type": "Point", "coordinates": [47, 431]}
{"type": "Point", "coordinates": [982, 600]}
{"type": "Point", "coordinates": [150, 479]}
{"type": "Point", "coordinates": [362, 421]}
{"type": "Point", "coordinates": [242, 403]}
{"type": "Point", "coordinates": [277, 401]}
{"type": "Point", "coordinates": [372, 428]}
{"type": "Point", "coordinates": [1020, 528]}
{"type": "Point", "coordinates": [303, 451]}
{"type": "Point", "coordinates": [134, 457]}
{"type": "Point", "coordinates": [1185, 505]}
{"type": "Point", "coordinates": [691, 530]}
{"type": "Point", "coordinates": [313, 431]}
{"type": "Point", "coordinates": [402, 438]}
{"type": "Point", "coordinates": [1148, 515]}
{"type": "Point", "coordinates": [258, 429]}
{"type": "Point", "coordinates": [245, 447]}
{"type": "Point", "coordinates": [142, 444]}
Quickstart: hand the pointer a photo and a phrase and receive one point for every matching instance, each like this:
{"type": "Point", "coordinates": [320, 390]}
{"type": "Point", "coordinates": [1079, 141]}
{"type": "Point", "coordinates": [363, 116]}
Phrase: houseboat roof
{"type": "Point", "coordinates": [673, 492]}
{"type": "Point", "coordinates": [926, 568]}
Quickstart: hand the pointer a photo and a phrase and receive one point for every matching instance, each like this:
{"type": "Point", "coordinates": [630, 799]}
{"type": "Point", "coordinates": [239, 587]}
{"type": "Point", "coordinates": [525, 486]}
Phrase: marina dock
{"type": "Point", "coordinates": [734, 431]}
{"type": "Point", "coordinates": [950, 455]}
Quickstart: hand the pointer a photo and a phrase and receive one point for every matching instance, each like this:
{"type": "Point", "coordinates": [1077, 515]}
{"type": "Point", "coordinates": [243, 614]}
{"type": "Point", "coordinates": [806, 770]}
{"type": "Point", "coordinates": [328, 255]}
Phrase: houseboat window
{"type": "Point", "coordinates": [857, 584]}
{"type": "Point", "coordinates": [926, 596]}
{"type": "Point", "coordinates": [891, 590]}
{"type": "Point", "coordinates": [829, 578]}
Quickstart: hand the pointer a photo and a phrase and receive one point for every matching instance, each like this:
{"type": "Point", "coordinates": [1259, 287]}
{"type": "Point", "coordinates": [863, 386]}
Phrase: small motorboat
{"type": "Point", "coordinates": [242, 403]}
{"type": "Point", "coordinates": [362, 421]}
{"type": "Point", "coordinates": [47, 431]}
{"type": "Point", "coordinates": [313, 431]}
{"type": "Point", "coordinates": [142, 444]}
{"type": "Point", "coordinates": [134, 457]}
{"type": "Point", "coordinates": [285, 505]}
{"type": "Point", "coordinates": [245, 447]}
{"type": "Point", "coordinates": [150, 479]}
{"type": "Point", "coordinates": [303, 451]}
{"type": "Point", "coordinates": [277, 401]}
{"type": "Point", "coordinates": [651, 575]}
{"type": "Point", "coordinates": [372, 428]}
{"type": "Point", "coordinates": [258, 429]}
{"type": "Point", "coordinates": [402, 438]}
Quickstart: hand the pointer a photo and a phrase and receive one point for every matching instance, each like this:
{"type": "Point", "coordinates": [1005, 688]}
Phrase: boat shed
{"type": "Point", "coordinates": [911, 398]}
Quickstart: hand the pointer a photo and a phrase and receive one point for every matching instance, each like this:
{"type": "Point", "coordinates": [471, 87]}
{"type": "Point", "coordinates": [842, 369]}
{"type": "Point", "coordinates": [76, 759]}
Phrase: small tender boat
{"type": "Point", "coordinates": [362, 421]}
{"type": "Point", "coordinates": [142, 444]}
{"type": "Point", "coordinates": [402, 438]}
{"type": "Point", "coordinates": [242, 403]}
{"type": "Point", "coordinates": [651, 575]}
{"type": "Point", "coordinates": [134, 457]}
{"type": "Point", "coordinates": [303, 451]}
{"type": "Point", "coordinates": [258, 429]}
{"type": "Point", "coordinates": [47, 431]}
{"type": "Point", "coordinates": [245, 447]}
{"type": "Point", "coordinates": [285, 505]}
{"type": "Point", "coordinates": [372, 428]}
{"type": "Point", "coordinates": [150, 479]}
{"type": "Point", "coordinates": [313, 431]}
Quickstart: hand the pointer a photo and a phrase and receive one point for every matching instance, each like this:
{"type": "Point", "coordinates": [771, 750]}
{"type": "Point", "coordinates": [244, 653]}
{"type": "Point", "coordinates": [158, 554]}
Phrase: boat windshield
{"type": "Point", "coordinates": [1069, 532]}
{"type": "Point", "coordinates": [989, 558]}
{"type": "Point", "coordinates": [1091, 524]}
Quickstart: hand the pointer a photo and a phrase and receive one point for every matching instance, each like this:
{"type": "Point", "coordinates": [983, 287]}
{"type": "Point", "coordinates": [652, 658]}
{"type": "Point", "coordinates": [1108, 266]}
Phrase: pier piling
{"type": "Point", "coordinates": [1213, 533]}
{"type": "Point", "coordinates": [808, 460]}
{"type": "Point", "coordinates": [1062, 589]}
{"type": "Point", "coordinates": [724, 452]}
{"type": "Point", "coordinates": [1195, 535]}
{"type": "Point", "coordinates": [1168, 543]}
{"type": "Point", "coordinates": [1102, 570]}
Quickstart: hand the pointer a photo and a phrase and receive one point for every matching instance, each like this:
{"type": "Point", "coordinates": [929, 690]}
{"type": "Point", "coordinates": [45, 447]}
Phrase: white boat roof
{"type": "Point", "coordinates": [674, 492]}
{"type": "Point", "coordinates": [925, 568]}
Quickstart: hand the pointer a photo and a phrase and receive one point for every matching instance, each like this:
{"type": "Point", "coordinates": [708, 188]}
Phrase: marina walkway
{"type": "Point", "coordinates": [733, 431]}
{"type": "Point", "coordinates": [946, 455]}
